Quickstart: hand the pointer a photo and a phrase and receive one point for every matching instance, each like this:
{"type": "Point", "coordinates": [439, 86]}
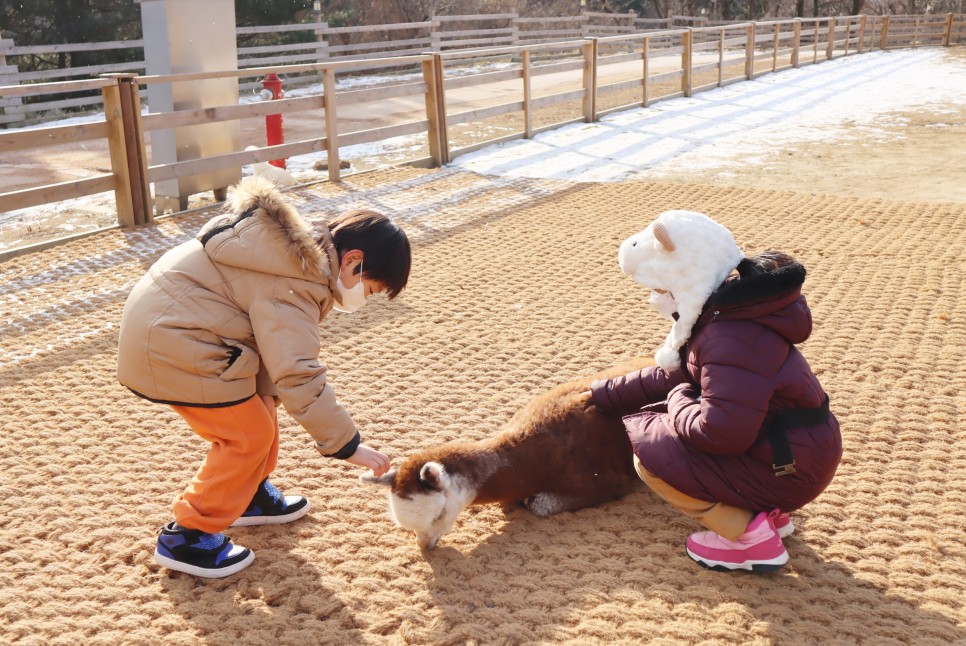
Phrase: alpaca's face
{"type": "Point", "coordinates": [425, 500]}
{"type": "Point", "coordinates": [424, 514]}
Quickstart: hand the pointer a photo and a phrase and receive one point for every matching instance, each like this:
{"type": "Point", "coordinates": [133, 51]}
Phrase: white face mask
{"type": "Point", "coordinates": [352, 298]}
{"type": "Point", "coordinates": [664, 303]}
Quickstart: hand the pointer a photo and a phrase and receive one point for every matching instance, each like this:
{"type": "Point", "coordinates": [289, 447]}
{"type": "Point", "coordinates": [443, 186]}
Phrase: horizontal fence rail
{"type": "Point", "coordinates": [666, 63]}
{"type": "Point", "coordinates": [442, 33]}
{"type": "Point", "coordinates": [323, 43]}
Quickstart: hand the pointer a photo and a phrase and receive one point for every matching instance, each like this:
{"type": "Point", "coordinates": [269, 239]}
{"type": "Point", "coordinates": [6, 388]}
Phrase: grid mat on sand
{"type": "Point", "coordinates": [514, 288]}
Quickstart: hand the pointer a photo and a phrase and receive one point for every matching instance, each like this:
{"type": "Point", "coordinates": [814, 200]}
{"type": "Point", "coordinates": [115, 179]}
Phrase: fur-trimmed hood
{"type": "Point", "coordinates": [785, 274]}
{"type": "Point", "coordinates": [767, 290]}
{"type": "Point", "coordinates": [262, 231]}
{"type": "Point", "coordinates": [235, 312]}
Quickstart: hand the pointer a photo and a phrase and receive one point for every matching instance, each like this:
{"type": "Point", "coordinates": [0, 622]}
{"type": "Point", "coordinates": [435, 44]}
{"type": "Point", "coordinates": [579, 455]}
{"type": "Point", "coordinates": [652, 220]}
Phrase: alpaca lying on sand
{"type": "Point", "coordinates": [558, 453]}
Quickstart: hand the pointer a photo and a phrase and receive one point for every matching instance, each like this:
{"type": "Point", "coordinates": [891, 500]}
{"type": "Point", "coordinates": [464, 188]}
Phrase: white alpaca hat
{"type": "Point", "coordinates": [688, 254]}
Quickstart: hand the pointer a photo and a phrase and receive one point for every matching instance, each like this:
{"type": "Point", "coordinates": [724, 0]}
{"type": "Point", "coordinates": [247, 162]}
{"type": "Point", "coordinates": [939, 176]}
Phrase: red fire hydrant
{"type": "Point", "coordinates": [273, 122]}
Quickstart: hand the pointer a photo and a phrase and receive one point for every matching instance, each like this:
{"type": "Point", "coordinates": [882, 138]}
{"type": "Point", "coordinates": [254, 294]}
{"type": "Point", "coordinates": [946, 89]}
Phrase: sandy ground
{"type": "Point", "coordinates": [514, 289]}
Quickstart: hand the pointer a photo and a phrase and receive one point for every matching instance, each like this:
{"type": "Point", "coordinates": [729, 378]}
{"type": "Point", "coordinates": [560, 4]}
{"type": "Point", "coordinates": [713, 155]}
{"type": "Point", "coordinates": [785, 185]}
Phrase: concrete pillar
{"type": "Point", "coordinates": [183, 37]}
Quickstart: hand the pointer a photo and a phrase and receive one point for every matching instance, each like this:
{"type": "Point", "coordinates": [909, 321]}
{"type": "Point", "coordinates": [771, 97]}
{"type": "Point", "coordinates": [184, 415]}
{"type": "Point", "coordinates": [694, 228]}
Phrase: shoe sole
{"type": "Point", "coordinates": [250, 521]}
{"type": "Point", "coordinates": [785, 531]}
{"type": "Point", "coordinates": [758, 567]}
{"type": "Point", "coordinates": [207, 573]}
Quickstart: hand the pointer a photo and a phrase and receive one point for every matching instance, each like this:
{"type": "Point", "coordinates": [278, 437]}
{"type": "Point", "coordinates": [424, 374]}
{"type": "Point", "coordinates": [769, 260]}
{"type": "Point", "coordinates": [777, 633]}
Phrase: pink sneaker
{"type": "Point", "coordinates": [783, 524]}
{"type": "Point", "coordinates": [759, 549]}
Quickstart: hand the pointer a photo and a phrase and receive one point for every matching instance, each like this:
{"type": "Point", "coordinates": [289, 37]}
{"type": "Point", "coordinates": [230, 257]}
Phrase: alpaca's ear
{"type": "Point", "coordinates": [387, 479]}
{"type": "Point", "coordinates": [434, 476]}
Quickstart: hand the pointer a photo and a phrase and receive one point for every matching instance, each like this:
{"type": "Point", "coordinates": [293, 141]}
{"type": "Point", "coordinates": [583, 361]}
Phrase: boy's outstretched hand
{"type": "Point", "coordinates": [371, 459]}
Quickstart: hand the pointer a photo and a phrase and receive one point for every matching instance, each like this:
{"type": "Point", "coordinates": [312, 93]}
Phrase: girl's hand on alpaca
{"type": "Point", "coordinates": [585, 400]}
{"type": "Point", "coordinates": [371, 459]}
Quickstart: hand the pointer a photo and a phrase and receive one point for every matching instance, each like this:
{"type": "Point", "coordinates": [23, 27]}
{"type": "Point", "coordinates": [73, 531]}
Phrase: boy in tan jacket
{"type": "Point", "coordinates": [225, 327]}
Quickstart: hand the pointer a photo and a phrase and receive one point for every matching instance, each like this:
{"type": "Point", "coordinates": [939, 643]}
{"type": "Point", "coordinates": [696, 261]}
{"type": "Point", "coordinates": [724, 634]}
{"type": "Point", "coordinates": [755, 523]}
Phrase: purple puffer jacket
{"type": "Point", "coordinates": [703, 428]}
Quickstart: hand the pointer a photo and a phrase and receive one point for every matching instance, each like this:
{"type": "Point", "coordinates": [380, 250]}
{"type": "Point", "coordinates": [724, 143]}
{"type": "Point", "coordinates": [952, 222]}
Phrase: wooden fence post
{"type": "Point", "coordinates": [848, 33]}
{"type": "Point", "coordinates": [527, 113]}
{"type": "Point", "coordinates": [432, 112]}
{"type": "Point", "coordinates": [11, 105]}
{"type": "Point", "coordinates": [631, 28]}
{"type": "Point", "coordinates": [515, 30]}
{"type": "Point", "coordinates": [686, 52]}
{"type": "Point", "coordinates": [721, 39]}
{"type": "Point", "coordinates": [831, 39]}
{"type": "Point", "coordinates": [861, 47]}
{"type": "Point", "coordinates": [322, 53]}
{"type": "Point", "coordinates": [122, 110]}
{"type": "Point", "coordinates": [435, 40]}
{"type": "Point", "coordinates": [590, 81]}
{"type": "Point", "coordinates": [119, 163]}
{"type": "Point", "coordinates": [750, 51]}
{"type": "Point", "coordinates": [774, 48]}
{"type": "Point", "coordinates": [947, 36]}
{"type": "Point", "coordinates": [818, 34]}
{"type": "Point", "coordinates": [884, 36]}
{"type": "Point", "coordinates": [137, 156]}
{"type": "Point", "coordinates": [441, 108]}
{"type": "Point", "coordinates": [331, 124]}
{"type": "Point", "coordinates": [645, 89]}
{"type": "Point", "coordinates": [796, 41]}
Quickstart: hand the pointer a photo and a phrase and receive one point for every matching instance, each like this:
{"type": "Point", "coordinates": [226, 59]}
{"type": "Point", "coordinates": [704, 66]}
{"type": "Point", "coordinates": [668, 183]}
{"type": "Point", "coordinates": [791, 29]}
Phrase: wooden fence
{"type": "Point", "coordinates": [322, 43]}
{"type": "Point", "coordinates": [667, 63]}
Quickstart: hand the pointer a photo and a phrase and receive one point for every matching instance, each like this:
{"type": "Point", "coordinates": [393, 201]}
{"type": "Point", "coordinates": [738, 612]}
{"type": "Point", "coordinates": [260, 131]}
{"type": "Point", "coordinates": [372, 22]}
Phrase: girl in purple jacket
{"type": "Point", "coordinates": [732, 427]}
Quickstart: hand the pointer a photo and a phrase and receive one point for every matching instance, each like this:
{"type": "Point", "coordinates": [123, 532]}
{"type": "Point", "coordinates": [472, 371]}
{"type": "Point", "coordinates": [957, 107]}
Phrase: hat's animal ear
{"type": "Point", "coordinates": [662, 236]}
{"type": "Point", "coordinates": [387, 479]}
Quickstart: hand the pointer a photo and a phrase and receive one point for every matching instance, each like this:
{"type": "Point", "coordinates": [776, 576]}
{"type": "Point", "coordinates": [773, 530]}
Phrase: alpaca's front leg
{"type": "Point", "coordinates": [548, 504]}
{"type": "Point", "coordinates": [544, 504]}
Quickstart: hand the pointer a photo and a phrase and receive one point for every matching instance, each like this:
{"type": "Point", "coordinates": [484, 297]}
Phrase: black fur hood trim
{"type": "Point", "coordinates": [755, 283]}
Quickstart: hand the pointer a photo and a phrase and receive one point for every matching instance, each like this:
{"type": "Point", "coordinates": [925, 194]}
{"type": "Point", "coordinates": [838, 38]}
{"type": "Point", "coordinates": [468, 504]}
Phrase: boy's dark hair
{"type": "Point", "coordinates": [387, 254]}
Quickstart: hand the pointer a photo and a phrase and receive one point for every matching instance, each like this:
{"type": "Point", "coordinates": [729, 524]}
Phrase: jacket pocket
{"type": "Point", "coordinates": [242, 362]}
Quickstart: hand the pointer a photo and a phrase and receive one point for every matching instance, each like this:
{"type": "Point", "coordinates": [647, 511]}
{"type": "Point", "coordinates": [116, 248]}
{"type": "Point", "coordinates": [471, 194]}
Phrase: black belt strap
{"type": "Point", "coordinates": [784, 461]}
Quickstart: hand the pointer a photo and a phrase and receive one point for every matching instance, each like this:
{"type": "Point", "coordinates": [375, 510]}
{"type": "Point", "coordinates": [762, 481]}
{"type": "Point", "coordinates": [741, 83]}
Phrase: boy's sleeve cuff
{"type": "Point", "coordinates": [346, 451]}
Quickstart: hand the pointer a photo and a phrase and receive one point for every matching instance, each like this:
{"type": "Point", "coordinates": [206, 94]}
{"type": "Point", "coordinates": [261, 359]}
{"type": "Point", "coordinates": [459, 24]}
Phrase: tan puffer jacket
{"type": "Point", "coordinates": [236, 312]}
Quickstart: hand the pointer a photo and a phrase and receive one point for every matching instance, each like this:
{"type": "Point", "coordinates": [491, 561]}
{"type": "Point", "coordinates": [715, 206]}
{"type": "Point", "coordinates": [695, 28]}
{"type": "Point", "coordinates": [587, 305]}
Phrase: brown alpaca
{"type": "Point", "coordinates": [558, 453]}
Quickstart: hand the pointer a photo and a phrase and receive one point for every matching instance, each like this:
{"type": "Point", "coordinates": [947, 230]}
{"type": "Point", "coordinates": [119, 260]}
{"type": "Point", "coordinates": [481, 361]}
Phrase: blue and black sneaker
{"type": "Point", "coordinates": [201, 554]}
{"type": "Point", "coordinates": [270, 507]}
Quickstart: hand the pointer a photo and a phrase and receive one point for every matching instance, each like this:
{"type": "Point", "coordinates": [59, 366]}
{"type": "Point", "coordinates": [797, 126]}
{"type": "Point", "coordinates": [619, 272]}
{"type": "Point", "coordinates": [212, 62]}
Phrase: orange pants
{"type": "Point", "coordinates": [244, 451]}
{"type": "Point", "coordinates": [725, 520]}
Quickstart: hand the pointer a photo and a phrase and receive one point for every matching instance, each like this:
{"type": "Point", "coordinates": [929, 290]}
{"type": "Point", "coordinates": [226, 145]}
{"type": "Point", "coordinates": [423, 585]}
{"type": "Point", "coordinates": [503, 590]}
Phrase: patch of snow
{"type": "Point", "coordinates": [738, 125]}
